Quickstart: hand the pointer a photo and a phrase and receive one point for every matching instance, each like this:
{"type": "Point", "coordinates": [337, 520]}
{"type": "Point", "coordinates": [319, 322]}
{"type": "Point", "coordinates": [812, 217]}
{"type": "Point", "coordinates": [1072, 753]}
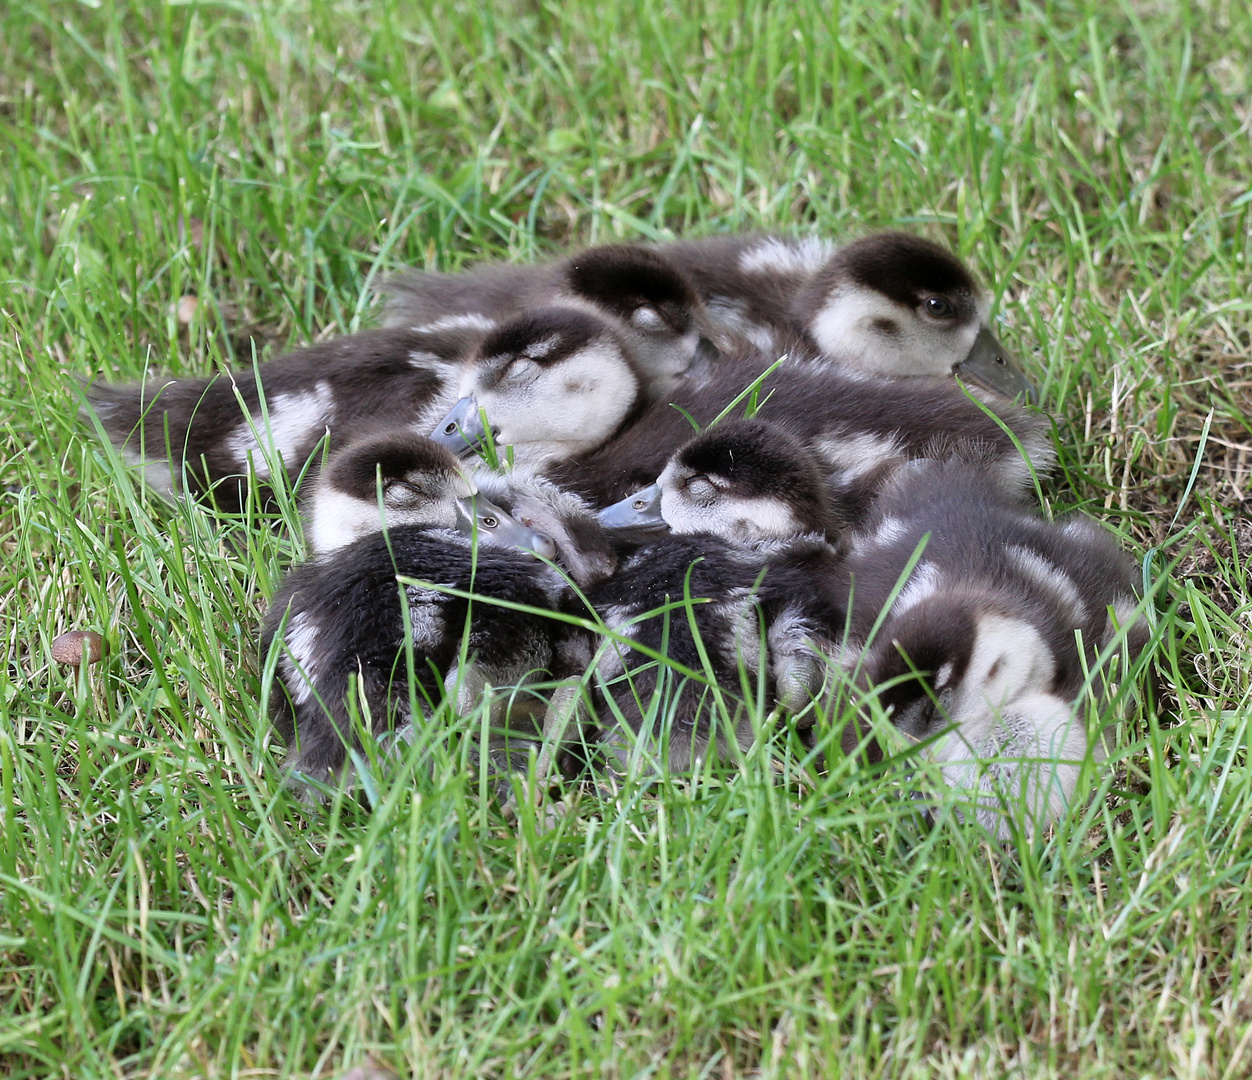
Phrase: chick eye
{"type": "Point", "coordinates": [700, 486]}
{"type": "Point", "coordinates": [647, 318]}
{"type": "Point", "coordinates": [524, 367]}
{"type": "Point", "coordinates": [939, 308]}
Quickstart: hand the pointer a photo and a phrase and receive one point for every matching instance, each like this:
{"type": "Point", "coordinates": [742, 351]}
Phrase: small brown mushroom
{"type": "Point", "coordinates": [185, 309]}
{"type": "Point", "coordinates": [72, 646]}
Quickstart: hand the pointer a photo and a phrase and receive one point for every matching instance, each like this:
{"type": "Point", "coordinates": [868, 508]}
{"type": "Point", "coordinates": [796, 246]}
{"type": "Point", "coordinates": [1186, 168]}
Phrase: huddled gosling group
{"type": "Point", "coordinates": [656, 504]}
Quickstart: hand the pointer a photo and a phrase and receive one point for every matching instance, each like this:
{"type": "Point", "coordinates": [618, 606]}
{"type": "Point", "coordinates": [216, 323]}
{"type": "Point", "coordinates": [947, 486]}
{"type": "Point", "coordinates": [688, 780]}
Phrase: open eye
{"type": "Point", "coordinates": [647, 317]}
{"type": "Point", "coordinates": [938, 308]}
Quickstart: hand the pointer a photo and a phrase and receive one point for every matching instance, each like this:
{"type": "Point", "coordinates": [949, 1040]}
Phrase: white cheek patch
{"type": "Point", "coordinates": [296, 420]}
{"type": "Point", "coordinates": [727, 517]}
{"type": "Point", "coordinates": [299, 665]}
{"type": "Point", "coordinates": [573, 406]}
{"type": "Point", "coordinates": [336, 519]}
{"type": "Point", "coordinates": [795, 257]}
{"type": "Point", "coordinates": [1009, 660]}
{"type": "Point", "coordinates": [1043, 574]}
{"type": "Point", "coordinates": [854, 456]}
{"type": "Point", "coordinates": [762, 519]}
{"type": "Point", "coordinates": [845, 329]}
{"type": "Point", "coordinates": [468, 321]}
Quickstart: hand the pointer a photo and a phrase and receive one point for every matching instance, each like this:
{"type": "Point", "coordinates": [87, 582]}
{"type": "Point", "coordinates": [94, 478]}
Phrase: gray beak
{"type": "Point", "coordinates": [636, 517]}
{"type": "Point", "coordinates": [478, 515]}
{"type": "Point", "coordinates": [462, 431]}
{"type": "Point", "coordinates": [991, 366]}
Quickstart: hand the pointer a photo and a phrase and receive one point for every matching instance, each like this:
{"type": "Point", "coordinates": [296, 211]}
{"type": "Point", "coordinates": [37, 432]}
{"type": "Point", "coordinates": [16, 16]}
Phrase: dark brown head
{"type": "Point", "coordinates": [891, 304]}
{"type": "Point", "coordinates": [655, 302]}
{"type": "Point", "coordinates": [395, 478]}
{"type": "Point", "coordinates": [553, 382]}
{"type": "Point", "coordinates": [745, 480]}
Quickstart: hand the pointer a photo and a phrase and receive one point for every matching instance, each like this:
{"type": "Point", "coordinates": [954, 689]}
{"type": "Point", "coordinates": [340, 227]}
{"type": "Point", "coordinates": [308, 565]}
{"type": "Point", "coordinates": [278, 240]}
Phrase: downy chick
{"type": "Point", "coordinates": [983, 636]}
{"type": "Point", "coordinates": [653, 304]}
{"type": "Point", "coordinates": [343, 615]}
{"type": "Point", "coordinates": [888, 305]}
{"type": "Point", "coordinates": [218, 428]}
{"type": "Point", "coordinates": [739, 521]}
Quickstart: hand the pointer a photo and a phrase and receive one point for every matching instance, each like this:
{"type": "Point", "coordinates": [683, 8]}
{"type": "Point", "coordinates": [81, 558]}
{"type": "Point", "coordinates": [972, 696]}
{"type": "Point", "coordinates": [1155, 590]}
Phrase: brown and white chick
{"type": "Point", "coordinates": [889, 305]}
{"type": "Point", "coordinates": [992, 639]}
{"type": "Point", "coordinates": [740, 521]}
{"type": "Point", "coordinates": [653, 304]}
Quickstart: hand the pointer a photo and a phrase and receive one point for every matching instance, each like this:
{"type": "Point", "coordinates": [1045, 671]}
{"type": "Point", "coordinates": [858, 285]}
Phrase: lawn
{"type": "Point", "coordinates": [187, 186]}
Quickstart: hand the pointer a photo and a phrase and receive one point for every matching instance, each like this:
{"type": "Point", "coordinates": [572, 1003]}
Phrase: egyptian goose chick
{"type": "Point", "coordinates": [653, 304]}
{"type": "Point", "coordinates": [355, 611]}
{"type": "Point", "coordinates": [396, 477]}
{"type": "Point", "coordinates": [888, 305]}
{"type": "Point", "coordinates": [995, 633]}
{"type": "Point", "coordinates": [219, 430]}
{"type": "Point", "coordinates": [738, 520]}
{"type": "Point", "coordinates": [896, 305]}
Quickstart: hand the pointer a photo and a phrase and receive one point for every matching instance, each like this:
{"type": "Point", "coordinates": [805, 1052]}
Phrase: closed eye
{"type": "Point", "coordinates": [700, 487]}
{"type": "Point", "coordinates": [402, 493]}
{"type": "Point", "coordinates": [646, 317]}
{"type": "Point", "coordinates": [522, 369]}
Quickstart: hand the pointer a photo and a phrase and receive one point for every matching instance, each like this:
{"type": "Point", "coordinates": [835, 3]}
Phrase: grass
{"type": "Point", "coordinates": [167, 910]}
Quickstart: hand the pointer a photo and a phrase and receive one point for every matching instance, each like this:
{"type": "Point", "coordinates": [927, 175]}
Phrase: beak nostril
{"type": "Point", "coordinates": [449, 429]}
